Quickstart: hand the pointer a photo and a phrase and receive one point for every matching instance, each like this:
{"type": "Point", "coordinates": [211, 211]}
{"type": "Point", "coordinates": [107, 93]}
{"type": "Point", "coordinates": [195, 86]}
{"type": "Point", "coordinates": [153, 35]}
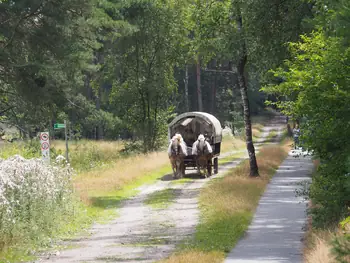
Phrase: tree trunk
{"type": "Point", "coordinates": [199, 88]}
{"type": "Point", "coordinates": [186, 89]}
{"type": "Point", "coordinates": [213, 95]}
{"type": "Point", "coordinates": [88, 86]}
{"type": "Point", "coordinates": [99, 129]}
{"type": "Point", "coordinates": [254, 170]}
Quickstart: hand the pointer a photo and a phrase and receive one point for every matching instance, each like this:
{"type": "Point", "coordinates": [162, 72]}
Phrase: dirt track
{"type": "Point", "coordinates": [144, 234]}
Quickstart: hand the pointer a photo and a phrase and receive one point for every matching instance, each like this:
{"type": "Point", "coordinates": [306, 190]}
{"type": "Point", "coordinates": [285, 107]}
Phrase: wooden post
{"type": "Point", "coordinates": [199, 88]}
{"type": "Point", "coordinates": [66, 137]}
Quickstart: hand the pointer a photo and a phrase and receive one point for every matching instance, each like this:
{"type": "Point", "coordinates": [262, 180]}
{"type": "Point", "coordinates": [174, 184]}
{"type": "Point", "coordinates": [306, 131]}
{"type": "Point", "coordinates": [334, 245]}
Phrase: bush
{"type": "Point", "coordinates": [27, 149]}
{"type": "Point", "coordinates": [341, 244]}
{"type": "Point", "coordinates": [329, 194]}
{"type": "Point", "coordinates": [35, 200]}
{"type": "Point", "coordinates": [86, 155]}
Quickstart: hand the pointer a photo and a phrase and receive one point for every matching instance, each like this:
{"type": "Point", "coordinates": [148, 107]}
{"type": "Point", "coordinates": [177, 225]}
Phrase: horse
{"type": "Point", "coordinates": [177, 151]}
{"type": "Point", "coordinates": [204, 153]}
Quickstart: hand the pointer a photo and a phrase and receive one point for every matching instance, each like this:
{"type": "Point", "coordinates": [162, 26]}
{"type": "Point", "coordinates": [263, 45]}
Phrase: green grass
{"type": "Point", "coordinates": [272, 135]}
{"type": "Point", "coordinates": [182, 181]}
{"type": "Point", "coordinates": [104, 205]}
{"type": "Point", "coordinates": [220, 233]}
{"type": "Point", "coordinates": [161, 199]}
{"type": "Point", "coordinates": [67, 228]}
{"type": "Point", "coordinates": [230, 158]}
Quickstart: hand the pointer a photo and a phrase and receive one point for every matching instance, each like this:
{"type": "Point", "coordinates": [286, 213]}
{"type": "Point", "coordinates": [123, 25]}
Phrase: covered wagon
{"type": "Point", "coordinates": [190, 125]}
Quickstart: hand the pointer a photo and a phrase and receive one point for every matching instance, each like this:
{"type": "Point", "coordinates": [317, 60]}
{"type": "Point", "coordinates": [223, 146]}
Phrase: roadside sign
{"type": "Point", "coordinates": [59, 126]}
{"type": "Point", "coordinates": [45, 146]}
{"type": "Point", "coordinates": [44, 136]}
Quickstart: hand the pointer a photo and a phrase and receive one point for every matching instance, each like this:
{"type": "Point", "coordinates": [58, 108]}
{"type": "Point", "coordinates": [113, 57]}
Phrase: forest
{"type": "Point", "coordinates": [123, 69]}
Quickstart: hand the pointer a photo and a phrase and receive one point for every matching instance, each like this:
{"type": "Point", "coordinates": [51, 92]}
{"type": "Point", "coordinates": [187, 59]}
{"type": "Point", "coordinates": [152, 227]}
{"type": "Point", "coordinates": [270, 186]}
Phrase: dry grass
{"type": "Point", "coordinates": [124, 171]}
{"type": "Point", "coordinates": [238, 192]}
{"type": "Point", "coordinates": [317, 245]}
{"type": "Point", "coordinates": [105, 146]}
{"type": "Point", "coordinates": [257, 130]}
{"type": "Point", "coordinates": [318, 248]}
{"type": "Point", "coordinates": [227, 207]}
{"type": "Point", "coordinates": [231, 143]}
{"type": "Point", "coordinates": [196, 256]}
{"type": "Point", "coordinates": [85, 155]}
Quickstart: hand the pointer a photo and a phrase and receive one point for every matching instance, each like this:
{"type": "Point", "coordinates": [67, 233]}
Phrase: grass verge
{"type": "Point", "coordinates": [102, 204]}
{"type": "Point", "coordinates": [231, 143]}
{"type": "Point", "coordinates": [182, 181]}
{"type": "Point", "coordinates": [227, 207]}
{"type": "Point", "coordinates": [318, 248]}
{"type": "Point", "coordinates": [272, 135]}
{"type": "Point", "coordinates": [102, 192]}
{"type": "Point", "coordinates": [161, 199]}
{"type": "Point", "coordinates": [230, 158]}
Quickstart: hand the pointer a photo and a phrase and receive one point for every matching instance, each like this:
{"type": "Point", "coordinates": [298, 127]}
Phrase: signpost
{"type": "Point", "coordinates": [45, 146]}
{"type": "Point", "coordinates": [58, 126]}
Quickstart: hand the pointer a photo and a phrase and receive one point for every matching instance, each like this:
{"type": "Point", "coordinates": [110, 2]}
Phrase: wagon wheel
{"type": "Point", "coordinates": [216, 165]}
{"type": "Point", "coordinates": [183, 169]}
{"type": "Point", "coordinates": [178, 168]}
{"type": "Point", "coordinates": [209, 167]}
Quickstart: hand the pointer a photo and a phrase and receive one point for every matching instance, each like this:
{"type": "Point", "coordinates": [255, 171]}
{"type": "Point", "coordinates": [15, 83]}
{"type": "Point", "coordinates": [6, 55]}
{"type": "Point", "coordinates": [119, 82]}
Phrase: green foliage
{"type": "Point", "coordinates": [313, 86]}
{"type": "Point", "coordinates": [341, 244]}
{"type": "Point", "coordinates": [142, 90]}
{"type": "Point", "coordinates": [86, 155]}
{"type": "Point", "coordinates": [30, 149]}
{"type": "Point", "coordinates": [330, 195]}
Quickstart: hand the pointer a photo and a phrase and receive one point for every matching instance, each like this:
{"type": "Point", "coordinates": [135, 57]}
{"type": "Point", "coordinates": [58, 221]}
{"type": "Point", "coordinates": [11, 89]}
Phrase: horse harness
{"type": "Point", "coordinates": [199, 151]}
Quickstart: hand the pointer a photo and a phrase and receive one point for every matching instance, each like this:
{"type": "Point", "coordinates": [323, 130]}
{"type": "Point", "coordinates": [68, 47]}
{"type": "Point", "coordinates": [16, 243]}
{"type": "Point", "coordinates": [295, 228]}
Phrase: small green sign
{"type": "Point", "coordinates": [59, 126]}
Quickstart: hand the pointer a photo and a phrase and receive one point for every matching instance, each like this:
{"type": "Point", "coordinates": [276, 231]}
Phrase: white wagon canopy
{"type": "Point", "coordinates": [191, 124]}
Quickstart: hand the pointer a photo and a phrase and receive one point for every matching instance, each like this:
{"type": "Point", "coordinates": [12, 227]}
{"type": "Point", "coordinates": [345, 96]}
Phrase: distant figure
{"type": "Point", "coordinates": [296, 134]}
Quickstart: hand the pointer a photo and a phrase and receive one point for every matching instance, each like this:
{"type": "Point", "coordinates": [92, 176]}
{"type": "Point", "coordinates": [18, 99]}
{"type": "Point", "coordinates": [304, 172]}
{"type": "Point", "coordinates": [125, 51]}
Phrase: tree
{"type": "Point", "coordinates": [40, 56]}
{"type": "Point", "coordinates": [249, 34]}
{"type": "Point", "coordinates": [313, 85]}
{"type": "Point", "coordinates": [145, 68]}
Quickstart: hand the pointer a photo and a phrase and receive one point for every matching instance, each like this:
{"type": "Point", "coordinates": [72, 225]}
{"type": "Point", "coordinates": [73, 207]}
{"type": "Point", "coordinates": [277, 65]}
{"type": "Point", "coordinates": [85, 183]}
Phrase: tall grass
{"type": "Point", "coordinates": [122, 172]}
{"type": "Point", "coordinates": [318, 248]}
{"type": "Point", "coordinates": [328, 246]}
{"type": "Point", "coordinates": [36, 201]}
{"type": "Point", "coordinates": [231, 143]}
{"type": "Point", "coordinates": [26, 149]}
{"type": "Point", "coordinates": [85, 155]}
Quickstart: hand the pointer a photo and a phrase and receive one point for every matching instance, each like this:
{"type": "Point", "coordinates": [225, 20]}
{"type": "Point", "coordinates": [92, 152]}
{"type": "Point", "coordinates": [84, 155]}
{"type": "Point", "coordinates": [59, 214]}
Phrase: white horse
{"type": "Point", "coordinates": [177, 151]}
{"type": "Point", "coordinates": [203, 152]}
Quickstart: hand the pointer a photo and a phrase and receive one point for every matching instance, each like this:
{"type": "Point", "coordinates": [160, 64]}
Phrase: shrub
{"type": "Point", "coordinates": [329, 194]}
{"type": "Point", "coordinates": [27, 149]}
{"type": "Point", "coordinates": [341, 244]}
{"type": "Point", "coordinates": [34, 200]}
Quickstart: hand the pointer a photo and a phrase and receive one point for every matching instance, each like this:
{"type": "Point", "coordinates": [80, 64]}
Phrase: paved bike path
{"type": "Point", "coordinates": [276, 232]}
